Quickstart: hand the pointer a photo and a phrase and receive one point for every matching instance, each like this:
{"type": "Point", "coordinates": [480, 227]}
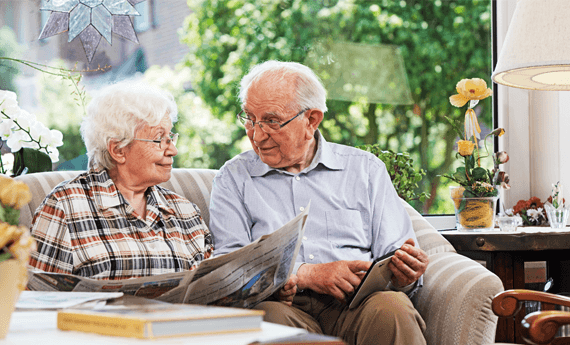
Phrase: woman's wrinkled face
{"type": "Point", "coordinates": [146, 162]}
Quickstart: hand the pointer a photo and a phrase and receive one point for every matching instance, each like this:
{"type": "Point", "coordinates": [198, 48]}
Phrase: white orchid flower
{"type": "Point", "coordinates": [25, 120]}
{"type": "Point", "coordinates": [6, 128]}
{"type": "Point", "coordinates": [54, 138]}
{"type": "Point", "coordinates": [7, 98]}
{"type": "Point", "coordinates": [53, 154]}
{"type": "Point", "coordinates": [11, 110]}
{"type": "Point", "coordinates": [17, 140]}
{"type": "Point", "coordinates": [38, 132]}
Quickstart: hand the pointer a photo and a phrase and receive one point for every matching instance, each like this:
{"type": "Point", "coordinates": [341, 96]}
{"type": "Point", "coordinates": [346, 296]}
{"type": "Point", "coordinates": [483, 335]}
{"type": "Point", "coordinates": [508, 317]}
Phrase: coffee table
{"type": "Point", "coordinates": [505, 253]}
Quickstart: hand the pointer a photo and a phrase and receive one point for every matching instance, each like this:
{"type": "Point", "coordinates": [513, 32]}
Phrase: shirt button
{"type": "Point", "coordinates": [297, 178]}
{"type": "Point", "coordinates": [301, 209]}
{"type": "Point", "coordinates": [311, 256]}
{"type": "Point", "coordinates": [304, 238]}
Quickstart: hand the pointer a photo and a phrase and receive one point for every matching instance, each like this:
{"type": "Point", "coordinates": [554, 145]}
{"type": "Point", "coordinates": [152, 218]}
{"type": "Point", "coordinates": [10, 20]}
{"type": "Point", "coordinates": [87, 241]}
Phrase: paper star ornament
{"type": "Point", "coordinates": [90, 19]}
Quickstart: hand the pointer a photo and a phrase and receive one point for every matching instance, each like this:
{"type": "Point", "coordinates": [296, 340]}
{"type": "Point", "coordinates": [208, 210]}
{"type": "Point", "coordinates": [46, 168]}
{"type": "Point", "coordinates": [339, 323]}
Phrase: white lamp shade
{"type": "Point", "coordinates": [536, 51]}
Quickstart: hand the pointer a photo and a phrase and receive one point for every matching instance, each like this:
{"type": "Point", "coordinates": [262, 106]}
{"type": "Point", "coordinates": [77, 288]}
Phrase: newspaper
{"type": "Point", "coordinates": [241, 278]}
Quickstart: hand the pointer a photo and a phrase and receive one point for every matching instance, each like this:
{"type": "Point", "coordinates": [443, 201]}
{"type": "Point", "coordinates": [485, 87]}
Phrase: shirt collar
{"type": "Point", "coordinates": [324, 156]}
{"type": "Point", "coordinates": [109, 196]}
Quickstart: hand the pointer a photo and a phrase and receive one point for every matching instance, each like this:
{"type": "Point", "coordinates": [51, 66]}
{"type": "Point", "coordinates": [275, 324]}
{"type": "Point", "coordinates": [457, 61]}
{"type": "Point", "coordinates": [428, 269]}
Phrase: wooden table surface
{"type": "Point", "coordinates": [505, 253]}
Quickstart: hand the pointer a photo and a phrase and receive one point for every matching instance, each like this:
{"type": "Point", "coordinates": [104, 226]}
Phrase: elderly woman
{"type": "Point", "coordinates": [114, 221]}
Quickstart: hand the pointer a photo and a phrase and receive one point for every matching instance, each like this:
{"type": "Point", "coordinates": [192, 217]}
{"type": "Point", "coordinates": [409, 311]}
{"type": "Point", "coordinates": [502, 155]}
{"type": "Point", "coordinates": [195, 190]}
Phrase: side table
{"type": "Point", "coordinates": [505, 254]}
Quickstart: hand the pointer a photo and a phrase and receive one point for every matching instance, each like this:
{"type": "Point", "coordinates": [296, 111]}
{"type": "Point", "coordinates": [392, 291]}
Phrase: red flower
{"type": "Point", "coordinates": [520, 206]}
{"type": "Point", "coordinates": [534, 203]}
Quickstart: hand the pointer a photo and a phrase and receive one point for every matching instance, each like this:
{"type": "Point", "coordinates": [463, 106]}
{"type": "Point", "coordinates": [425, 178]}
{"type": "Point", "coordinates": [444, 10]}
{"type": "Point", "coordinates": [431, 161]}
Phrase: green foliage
{"type": "Point", "coordinates": [441, 42]}
{"type": "Point", "coordinates": [9, 215]}
{"type": "Point", "coordinates": [477, 181]}
{"type": "Point", "coordinates": [8, 48]}
{"type": "Point", "coordinates": [402, 173]}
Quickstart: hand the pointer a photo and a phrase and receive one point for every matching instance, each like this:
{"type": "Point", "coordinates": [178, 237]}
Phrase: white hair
{"type": "Point", "coordinates": [117, 112]}
{"type": "Point", "coordinates": [310, 92]}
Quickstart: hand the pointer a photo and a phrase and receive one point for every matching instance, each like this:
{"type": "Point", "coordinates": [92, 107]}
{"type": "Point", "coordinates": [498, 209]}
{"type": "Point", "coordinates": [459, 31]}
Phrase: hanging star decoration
{"type": "Point", "coordinates": [90, 19]}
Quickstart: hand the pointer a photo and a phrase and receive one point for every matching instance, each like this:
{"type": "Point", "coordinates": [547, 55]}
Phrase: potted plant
{"type": "Point", "coordinates": [476, 196]}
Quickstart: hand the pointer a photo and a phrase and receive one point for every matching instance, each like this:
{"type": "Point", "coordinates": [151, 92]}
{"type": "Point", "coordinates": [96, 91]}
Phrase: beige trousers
{"type": "Point", "coordinates": [385, 317]}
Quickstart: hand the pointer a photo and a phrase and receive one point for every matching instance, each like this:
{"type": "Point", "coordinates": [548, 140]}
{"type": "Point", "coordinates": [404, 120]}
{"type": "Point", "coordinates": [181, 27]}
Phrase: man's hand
{"type": "Point", "coordinates": [408, 264]}
{"type": "Point", "coordinates": [287, 292]}
{"type": "Point", "coordinates": [338, 278]}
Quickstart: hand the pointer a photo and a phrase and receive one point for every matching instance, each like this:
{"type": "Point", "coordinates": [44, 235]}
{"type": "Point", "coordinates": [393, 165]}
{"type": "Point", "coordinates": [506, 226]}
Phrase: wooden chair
{"type": "Point", "coordinates": [539, 327]}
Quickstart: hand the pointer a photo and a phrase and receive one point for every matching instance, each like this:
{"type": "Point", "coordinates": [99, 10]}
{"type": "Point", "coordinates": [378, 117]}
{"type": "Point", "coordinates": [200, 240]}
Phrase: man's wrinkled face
{"type": "Point", "coordinates": [288, 146]}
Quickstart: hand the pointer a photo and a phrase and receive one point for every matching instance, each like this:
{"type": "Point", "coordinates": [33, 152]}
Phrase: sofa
{"type": "Point", "coordinates": [455, 301]}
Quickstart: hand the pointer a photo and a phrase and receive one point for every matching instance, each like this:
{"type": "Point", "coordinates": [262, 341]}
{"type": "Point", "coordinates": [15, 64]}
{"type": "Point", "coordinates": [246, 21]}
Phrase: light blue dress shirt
{"type": "Point", "coordinates": [355, 212]}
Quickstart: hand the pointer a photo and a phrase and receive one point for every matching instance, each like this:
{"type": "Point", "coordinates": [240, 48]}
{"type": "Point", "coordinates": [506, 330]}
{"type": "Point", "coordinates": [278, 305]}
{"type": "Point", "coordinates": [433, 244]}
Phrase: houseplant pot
{"type": "Point", "coordinates": [473, 214]}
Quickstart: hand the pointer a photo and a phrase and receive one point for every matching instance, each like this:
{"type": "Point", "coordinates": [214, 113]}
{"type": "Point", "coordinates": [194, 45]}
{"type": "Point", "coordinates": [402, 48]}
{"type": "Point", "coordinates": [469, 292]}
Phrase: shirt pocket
{"type": "Point", "coordinates": [345, 230]}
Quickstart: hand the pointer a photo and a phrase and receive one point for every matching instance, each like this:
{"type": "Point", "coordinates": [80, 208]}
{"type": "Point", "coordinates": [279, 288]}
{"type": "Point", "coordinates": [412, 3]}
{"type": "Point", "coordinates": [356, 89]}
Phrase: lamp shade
{"type": "Point", "coordinates": [536, 51]}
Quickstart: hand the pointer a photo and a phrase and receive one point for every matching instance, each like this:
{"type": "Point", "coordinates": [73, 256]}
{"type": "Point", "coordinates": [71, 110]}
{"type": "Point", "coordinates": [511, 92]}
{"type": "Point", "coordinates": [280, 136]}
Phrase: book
{"type": "Point", "coordinates": [149, 321]}
{"type": "Point", "coordinates": [376, 279]}
{"type": "Point", "coordinates": [241, 278]}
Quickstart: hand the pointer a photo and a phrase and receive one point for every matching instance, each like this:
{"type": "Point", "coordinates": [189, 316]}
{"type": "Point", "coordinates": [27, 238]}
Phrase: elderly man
{"type": "Point", "coordinates": [356, 215]}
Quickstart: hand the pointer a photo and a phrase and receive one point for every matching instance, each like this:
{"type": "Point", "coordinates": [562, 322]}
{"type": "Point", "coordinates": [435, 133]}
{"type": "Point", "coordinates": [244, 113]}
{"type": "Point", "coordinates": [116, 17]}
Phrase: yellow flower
{"type": "Point", "coordinates": [465, 147]}
{"type": "Point", "coordinates": [470, 89]}
{"type": "Point", "coordinates": [14, 193]}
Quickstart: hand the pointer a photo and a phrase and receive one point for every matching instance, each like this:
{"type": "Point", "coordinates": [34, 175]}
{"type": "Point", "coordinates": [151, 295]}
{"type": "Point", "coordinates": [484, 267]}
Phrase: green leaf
{"type": "Point", "coordinates": [479, 173]}
{"type": "Point", "coordinates": [10, 215]}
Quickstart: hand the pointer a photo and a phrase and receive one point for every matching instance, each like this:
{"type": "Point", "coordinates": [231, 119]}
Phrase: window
{"type": "Point", "coordinates": [389, 67]}
{"type": "Point", "coordinates": [144, 21]}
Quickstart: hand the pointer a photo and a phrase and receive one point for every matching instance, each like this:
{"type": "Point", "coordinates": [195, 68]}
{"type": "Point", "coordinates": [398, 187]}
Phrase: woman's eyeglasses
{"type": "Point", "coordinates": [163, 142]}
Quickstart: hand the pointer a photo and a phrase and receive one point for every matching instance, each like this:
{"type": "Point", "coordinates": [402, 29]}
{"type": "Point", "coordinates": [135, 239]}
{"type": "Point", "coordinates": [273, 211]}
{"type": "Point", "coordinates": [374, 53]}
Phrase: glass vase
{"type": "Point", "coordinates": [473, 214]}
{"type": "Point", "coordinates": [557, 217]}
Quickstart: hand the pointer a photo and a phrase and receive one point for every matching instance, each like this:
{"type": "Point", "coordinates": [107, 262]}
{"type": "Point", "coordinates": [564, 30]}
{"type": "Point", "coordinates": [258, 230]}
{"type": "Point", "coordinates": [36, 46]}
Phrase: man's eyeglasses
{"type": "Point", "coordinates": [269, 126]}
{"type": "Point", "coordinates": [163, 142]}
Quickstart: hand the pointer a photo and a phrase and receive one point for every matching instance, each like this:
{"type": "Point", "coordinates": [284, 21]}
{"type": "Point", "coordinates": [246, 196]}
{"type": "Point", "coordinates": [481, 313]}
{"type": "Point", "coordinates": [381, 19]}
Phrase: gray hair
{"type": "Point", "coordinates": [117, 112]}
{"type": "Point", "coordinates": [310, 92]}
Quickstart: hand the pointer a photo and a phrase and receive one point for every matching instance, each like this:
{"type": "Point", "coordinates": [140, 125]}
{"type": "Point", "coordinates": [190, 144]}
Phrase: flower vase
{"type": "Point", "coordinates": [12, 281]}
{"type": "Point", "coordinates": [473, 214]}
{"type": "Point", "coordinates": [557, 217]}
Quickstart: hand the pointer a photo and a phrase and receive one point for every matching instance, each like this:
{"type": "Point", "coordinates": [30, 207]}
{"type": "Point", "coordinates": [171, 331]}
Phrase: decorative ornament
{"type": "Point", "coordinates": [90, 19]}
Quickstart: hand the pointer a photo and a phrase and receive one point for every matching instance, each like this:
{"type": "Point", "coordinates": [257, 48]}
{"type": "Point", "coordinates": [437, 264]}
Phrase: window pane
{"type": "Point", "coordinates": [142, 22]}
{"type": "Point", "coordinates": [389, 66]}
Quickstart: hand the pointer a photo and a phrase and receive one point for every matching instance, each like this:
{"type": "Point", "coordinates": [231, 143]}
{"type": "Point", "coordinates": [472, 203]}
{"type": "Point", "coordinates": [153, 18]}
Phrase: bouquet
{"type": "Point", "coordinates": [475, 181]}
{"type": "Point", "coordinates": [531, 211]}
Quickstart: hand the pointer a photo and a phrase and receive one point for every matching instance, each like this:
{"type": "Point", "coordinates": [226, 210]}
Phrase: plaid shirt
{"type": "Point", "coordinates": [87, 228]}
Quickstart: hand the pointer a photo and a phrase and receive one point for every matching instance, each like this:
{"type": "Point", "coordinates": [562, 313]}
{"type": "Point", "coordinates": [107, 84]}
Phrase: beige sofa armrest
{"type": "Point", "coordinates": [455, 301]}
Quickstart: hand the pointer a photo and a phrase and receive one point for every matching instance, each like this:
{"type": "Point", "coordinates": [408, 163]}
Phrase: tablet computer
{"type": "Point", "coordinates": [376, 279]}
